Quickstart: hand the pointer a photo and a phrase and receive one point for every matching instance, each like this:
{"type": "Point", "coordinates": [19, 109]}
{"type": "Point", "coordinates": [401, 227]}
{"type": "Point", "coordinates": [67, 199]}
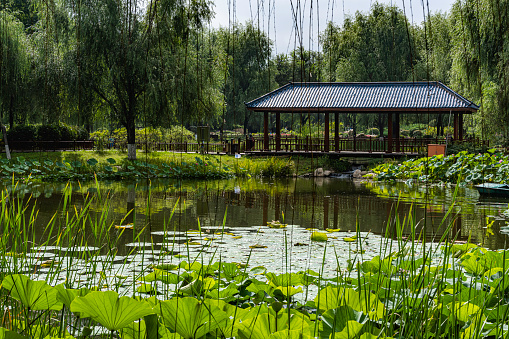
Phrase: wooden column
{"type": "Point", "coordinates": [397, 132]}
{"type": "Point", "coordinates": [326, 136]}
{"type": "Point", "coordinates": [460, 123]}
{"type": "Point", "coordinates": [266, 131]}
{"type": "Point", "coordinates": [336, 131]}
{"type": "Point", "coordinates": [389, 133]}
{"type": "Point", "coordinates": [278, 132]}
{"type": "Point", "coordinates": [456, 126]}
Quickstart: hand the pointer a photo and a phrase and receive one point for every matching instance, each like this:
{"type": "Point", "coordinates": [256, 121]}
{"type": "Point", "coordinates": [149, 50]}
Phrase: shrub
{"type": "Point", "coordinates": [48, 133]}
{"type": "Point", "coordinates": [82, 134]}
{"type": "Point", "coordinates": [100, 138]}
{"type": "Point", "coordinates": [22, 133]}
{"type": "Point", "coordinates": [405, 132]}
{"type": "Point", "coordinates": [177, 134]}
{"type": "Point", "coordinates": [67, 133]}
{"type": "Point", "coordinates": [275, 167]}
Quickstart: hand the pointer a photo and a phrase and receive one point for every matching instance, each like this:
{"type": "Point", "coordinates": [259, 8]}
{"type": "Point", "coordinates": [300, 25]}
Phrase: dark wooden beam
{"type": "Point", "coordinates": [397, 132]}
{"type": "Point", "coordinates": [266, 131]}
{"type": "Point", "coordinates": [389, 133]}
{"type": "Point", "coordinates": [456, 126]}
{"type": "Point", "coordinates": [326, 136]}
{"type": "Point", "coordinates": [460, 123]}
{"type": "Point", "coordinates": [336, 131]}
{"type": "Point", "coordinates": [278, 131]}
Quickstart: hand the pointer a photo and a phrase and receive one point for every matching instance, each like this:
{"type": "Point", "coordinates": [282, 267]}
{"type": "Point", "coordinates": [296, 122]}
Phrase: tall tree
{"type": "Point", "coordinates": [250, 72]}
{"type": "Point", "coordinates": [14, 65]}
{"type": "Point", "coordinates": [370, 47]}
{"type": "Point", "coordinates": [480, 66]}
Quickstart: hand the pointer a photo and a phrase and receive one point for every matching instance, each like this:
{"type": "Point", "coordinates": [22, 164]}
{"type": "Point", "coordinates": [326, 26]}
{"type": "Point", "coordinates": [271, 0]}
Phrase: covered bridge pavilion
{"type": "Point", "coordinates": [391, 98]}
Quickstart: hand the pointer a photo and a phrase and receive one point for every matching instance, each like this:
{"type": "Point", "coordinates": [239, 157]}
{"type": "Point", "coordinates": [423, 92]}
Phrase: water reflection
{"type": "Point", "coordinates": [432, 211]}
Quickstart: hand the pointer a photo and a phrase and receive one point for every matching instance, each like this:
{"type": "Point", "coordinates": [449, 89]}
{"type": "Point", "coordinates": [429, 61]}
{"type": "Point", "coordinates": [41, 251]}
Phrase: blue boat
{"type": "Point", "coordinates": [488, 189]}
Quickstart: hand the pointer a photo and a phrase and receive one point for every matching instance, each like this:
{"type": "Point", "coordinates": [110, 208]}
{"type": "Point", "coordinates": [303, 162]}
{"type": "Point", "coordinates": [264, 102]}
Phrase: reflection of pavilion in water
{"type": "Point", "coordinates": [340, 210]}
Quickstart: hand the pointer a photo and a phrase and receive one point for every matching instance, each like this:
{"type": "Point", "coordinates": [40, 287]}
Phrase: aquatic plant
{"type": "Point", "coordinates": [464, 168]}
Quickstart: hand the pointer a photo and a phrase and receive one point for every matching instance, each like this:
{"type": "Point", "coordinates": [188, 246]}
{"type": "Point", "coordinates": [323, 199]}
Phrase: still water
{"type": "Point", "coordinates": [432, 211]}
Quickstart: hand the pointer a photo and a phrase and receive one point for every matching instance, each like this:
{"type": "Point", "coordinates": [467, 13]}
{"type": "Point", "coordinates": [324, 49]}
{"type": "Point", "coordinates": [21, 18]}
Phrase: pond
{"type": "Point", "coordinates": [230, 220]}
{"type": "Point", "coordinates": [308, 203]}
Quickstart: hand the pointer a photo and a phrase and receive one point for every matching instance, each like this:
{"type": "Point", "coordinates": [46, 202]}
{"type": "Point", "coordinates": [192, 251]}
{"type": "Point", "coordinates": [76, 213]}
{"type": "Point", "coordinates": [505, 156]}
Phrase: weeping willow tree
{"type": "Point", "coordinates": [480, 67]}
{"type": "Point", "coordinates": [186, 70]}
{"type": "Point", "coordinates": [377, 46]}
{"type": "Point", "coordinates": [13, 68]}
{"type": "Point", "coordinates": [250, 72]}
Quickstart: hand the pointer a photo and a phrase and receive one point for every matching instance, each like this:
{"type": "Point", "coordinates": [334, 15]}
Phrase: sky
{"type": "Point", "coordinates": [277, 18]}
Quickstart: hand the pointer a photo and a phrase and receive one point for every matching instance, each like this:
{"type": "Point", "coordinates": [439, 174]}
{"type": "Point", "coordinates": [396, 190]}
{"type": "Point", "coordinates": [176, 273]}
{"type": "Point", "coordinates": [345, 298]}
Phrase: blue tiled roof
{"type": "Point", "coordinates": [362, 96]}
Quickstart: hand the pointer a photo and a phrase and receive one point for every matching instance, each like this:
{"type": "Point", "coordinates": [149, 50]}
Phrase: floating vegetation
{"type": "Point", "coordinates": [332, 230]}
{"type": "Point", "coordinates": [127, 226]}
{"type": "Point", "coordinates": [318, 236]}
{"type": "Point", "coordinates": [257, 246]}
{"type": "Point", "coordinates": [276, 224]}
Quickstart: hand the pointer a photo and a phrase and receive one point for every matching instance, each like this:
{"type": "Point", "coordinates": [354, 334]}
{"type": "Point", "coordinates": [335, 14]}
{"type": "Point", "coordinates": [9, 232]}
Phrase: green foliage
{"type": "Point", "coordinates": [109, 310]}
{"type": "Point", "coordinates": [277, 167]}
{"type": "Point", "coordinates": [36, 295]}
{"type": "Point", "coordinates": [49, 133]}
{"type": "Point", "coordinates": [22, 133]}
{"type": "Point", "coordinates": [462, 168]}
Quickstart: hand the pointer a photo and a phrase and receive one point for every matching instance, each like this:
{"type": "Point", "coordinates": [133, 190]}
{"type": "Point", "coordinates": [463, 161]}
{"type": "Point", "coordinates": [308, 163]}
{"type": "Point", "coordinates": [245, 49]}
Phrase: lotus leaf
{"type": "Point", "coordinates": [318, 236]}
{"type": "Point", "coordinates": [352, 330]}
{"type": "Point", "coordinates": [92, 161]}
{"type": "Point", "coordinates": [465, 311]}
{"type": "Point", "coordinates": [135, 330]}
{"type": "Point", "coordinates": [261, 322]}
{"type": "Point", "coordinates": [335, 320]}
{"type": "Point", "coordinates": [290, 334]}
{"type": "Point", "coordinates": [111, 161]}
{"type": "Point", "coordinates": [190, 318]}
{"type": "Point", "coordinates": [66, 295]}
{"type": "Point", "coordinates": [226, 294]}
{"type": "Point", "coordinates": [288, 291]}
{"type": "Point", "coordinates": [198, 286]}
{"type": "Point", "coordinates": [164, 276]}
{"type": "Point", "coordinates": [362, 301]}
{"type": "Point", "coordinates": [6, 334]}
{"type": "Point", "coordinates": [37, 295]}
{"type": "Point", "coordinates": [285, 279]}
{"type": "Point", "coordinates": [109, 310]}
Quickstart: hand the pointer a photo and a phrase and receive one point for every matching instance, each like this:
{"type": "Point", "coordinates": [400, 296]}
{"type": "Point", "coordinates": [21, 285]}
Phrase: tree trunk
{"type": "Point", "coordinates": [11, 112]}
{"type": "Point", "coordinates": [7, 151]}
{"type": "Point", "coordinates": [131, 140]}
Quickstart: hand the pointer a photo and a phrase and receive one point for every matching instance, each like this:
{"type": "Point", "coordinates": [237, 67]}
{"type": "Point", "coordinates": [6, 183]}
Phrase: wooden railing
{"type": "Point", "coordinates": [361, 144]}
{"type": "Point", "coordinates": [287, 144]}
